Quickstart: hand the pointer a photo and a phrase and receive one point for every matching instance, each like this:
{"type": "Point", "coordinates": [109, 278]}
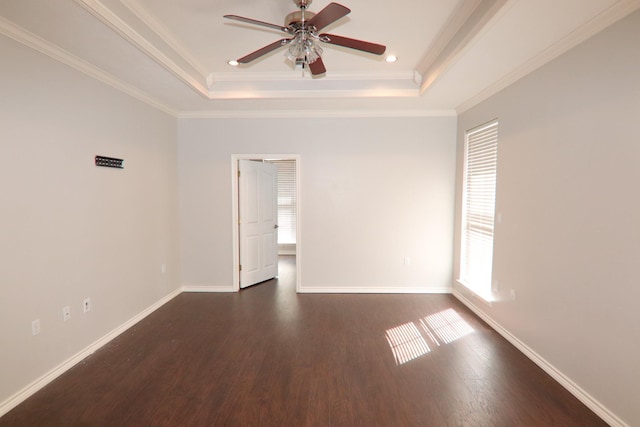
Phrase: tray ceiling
{"type": "Point", "coordinates": [174, 55]}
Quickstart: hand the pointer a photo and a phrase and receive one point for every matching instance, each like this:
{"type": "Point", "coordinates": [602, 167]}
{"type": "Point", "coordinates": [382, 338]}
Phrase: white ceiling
{"type": "Point", "coordinates": [173, 54]}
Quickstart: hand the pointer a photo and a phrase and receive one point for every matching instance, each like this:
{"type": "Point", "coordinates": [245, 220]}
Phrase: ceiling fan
{"type": "Point", "coordinates": [303, 28]}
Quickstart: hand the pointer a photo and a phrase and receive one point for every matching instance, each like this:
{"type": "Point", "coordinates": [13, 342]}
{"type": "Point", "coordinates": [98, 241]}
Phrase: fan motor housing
{"type": "Point", "coordinates": [296, 17]}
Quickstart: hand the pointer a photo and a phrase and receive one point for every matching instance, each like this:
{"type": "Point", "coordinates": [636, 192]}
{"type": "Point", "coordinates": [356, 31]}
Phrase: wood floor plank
{"type": "Point", "coordinates": [267, 356]}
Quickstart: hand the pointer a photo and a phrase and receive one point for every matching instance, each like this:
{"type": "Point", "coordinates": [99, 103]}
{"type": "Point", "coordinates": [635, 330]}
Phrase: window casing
{"type": "Point", "coordinates": [478, 208]}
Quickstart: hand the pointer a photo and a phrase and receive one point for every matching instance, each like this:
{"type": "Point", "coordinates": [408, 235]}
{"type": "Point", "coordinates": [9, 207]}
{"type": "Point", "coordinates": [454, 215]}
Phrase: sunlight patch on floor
{"type": "Point", "coordinates": [408, 342]}
{"type": "Point", "coordinates": [446, 325]}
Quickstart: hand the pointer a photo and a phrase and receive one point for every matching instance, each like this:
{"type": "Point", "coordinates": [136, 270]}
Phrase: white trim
{"type": "Point", "coordinates": [235, 215]}
{"type": "Point", "coordinates": [460, 31]}
{"type": "Point", "coordinates": [603, 20]}
{"type": "Point", "coordinates": [236, 76]}
{"type": "Point", "coordinates": [207, 288]}
{"type": "Point", "coordinates": [357, 113]}
{"type": "Point", "coordinates": [161, 31]}
{"type": "Point", "coordinates": [47, 48]}
{"type": "Point", "coordinates": [597, 407]}
{"type": "Point", "coordinates": [454, 23]}
{"type": "Point", "coordinates": [38, 384]}
{"type": "Point", "coordinates": [375, 290]}
{"type": "Point", "coordinates": [53, 51]}
{"type": "Point", "coordinates": [99, 10]}
{"type": "Point", "coordinates": [324, 93]}
{"type": "Point", "coordinates": [298, 253]}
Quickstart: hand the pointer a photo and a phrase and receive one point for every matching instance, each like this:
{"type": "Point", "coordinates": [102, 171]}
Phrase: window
{"type": "Point", "coordinates": [478, 208]}
{"type": "Point", "coordinates": [286, 201]}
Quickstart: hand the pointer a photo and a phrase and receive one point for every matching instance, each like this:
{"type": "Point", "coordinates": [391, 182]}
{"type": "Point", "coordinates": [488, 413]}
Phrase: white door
{"type": "Point", "coordinates": [258, 226]}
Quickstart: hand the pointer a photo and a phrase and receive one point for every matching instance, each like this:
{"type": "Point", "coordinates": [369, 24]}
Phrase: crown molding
{"type": "Point", "coordinates": [196, 80]}
{"type": "Point", "coordinates": [164, 34]}
{"type": "Point", "coordinates": [316, 94]}
{"type": "Point", "coordinates": [51, 50]}
{"type": "Point", "coordinates": [339, 85]}
{"type": "Point", "coordinates": [289, 114]}
{"type": "Point", "coordinates": [467, 22]}
{"type": "Point", "coordinates": [286, 76]}
{"type": "Point", "coordinates": [459, 16]}
{"type": "Point", "coordinates": [584, 32]}
{"type": "Point", "coordinates": [233, 85]}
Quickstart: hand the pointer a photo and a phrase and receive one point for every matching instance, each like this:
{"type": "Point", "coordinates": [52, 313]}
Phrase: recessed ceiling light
{"type": "Point", "coordinates": [233, 63]}
{"type": "Point", "coordinates": [391, 58]}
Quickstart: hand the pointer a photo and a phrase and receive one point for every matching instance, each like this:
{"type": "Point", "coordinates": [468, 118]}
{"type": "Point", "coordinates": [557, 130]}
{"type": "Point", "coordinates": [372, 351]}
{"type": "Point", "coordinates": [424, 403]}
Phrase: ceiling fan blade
{"type": "Point", "coordinates": [374, 48]}
{"type": "Point", "coordinates": [263, 51]}
{"type": "Point", "coordinates": [328, 15]}
{"type": "Point", "coordinates": [317, 67]}
{"type": "Point", "coordinates": [256, 22]}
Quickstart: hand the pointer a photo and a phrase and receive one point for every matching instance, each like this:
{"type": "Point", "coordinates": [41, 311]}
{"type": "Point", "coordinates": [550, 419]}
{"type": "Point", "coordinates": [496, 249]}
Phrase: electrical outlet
{"type": "Point", "coordinates": [66, 313]}
{"type": "Point", "coordinates": [86, 305]}
{"type": "Point", "coordinates": [163, 268]}
{"type": "Point", "coordinates": [35, 327]}
{"type": "Point", "coordinates": [512, 294]}
{"type": "Point", "coordinates": [407, 260]}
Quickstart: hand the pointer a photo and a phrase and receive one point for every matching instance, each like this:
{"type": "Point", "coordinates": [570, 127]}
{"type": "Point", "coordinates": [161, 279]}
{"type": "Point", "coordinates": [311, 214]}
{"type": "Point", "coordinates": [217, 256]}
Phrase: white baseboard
{"type": "Point", "coordinates": [38, 384]}
{"type": "Point", "coordinates": [375, 290]}
{"type": "Point", "coordinates": [567, 383]}
{"type": "Point", "coordinates": [207, 288]}
{"type": "Point", "coordinates": [597, 407]}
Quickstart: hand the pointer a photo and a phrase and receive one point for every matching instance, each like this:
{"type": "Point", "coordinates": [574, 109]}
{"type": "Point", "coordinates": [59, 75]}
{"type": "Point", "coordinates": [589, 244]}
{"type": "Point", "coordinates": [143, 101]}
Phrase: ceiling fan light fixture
{"type": "Point", "coordinates": [303, 29]}
{"type": "Point", "coordinates": [295, 50]}
{"type": "Point", "coordinates": [313, 52]}
{"type": "Point", "coordinates": [303, 50]}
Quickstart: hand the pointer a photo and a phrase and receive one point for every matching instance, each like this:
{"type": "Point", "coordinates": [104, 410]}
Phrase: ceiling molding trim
{"type": "Point", "coordinates": [466, 24]}
{"type": "Point", "coordinates": [47, 48]}
{"type": "Point", "coordinates": [288, 114]}
{"type": "Point", "coordinates": [317, 94]}
{"type": "Point", "coordinates": [286, 76]}
{"type": "Point", "coordinates": [113, 21]}
{"type": "Point", "coordinates": [581, 34]}
{"type": "Point", "coordinates": [449, 30]}
{"type": "Point", "coordinates": [164, 34]}
{"type": "Point", "coordinates": [345, 85]}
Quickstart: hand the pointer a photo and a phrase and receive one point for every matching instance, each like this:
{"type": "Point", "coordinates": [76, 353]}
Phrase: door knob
{"type": "Point", "coordinates": [276, 226]}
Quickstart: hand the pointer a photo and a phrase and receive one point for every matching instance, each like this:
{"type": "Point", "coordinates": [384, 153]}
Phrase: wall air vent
{"type": "Point", "coordinates": [109, 162]}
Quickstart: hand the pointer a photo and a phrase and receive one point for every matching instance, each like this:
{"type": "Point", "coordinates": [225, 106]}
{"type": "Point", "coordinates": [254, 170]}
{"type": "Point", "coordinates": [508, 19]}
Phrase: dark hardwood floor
{"type": "Point", "coordinates": [270, 357]}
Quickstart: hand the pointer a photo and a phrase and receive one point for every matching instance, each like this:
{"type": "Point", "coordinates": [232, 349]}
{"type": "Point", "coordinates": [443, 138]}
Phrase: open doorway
{"type": "Point", "coordinates": [289, 249]}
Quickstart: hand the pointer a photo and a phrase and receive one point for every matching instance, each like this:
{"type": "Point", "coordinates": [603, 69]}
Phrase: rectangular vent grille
{"type": "Point", "coordinates": [109, 162]}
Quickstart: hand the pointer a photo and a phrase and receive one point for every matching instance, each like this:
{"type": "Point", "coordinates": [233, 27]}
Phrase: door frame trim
{"type": "Point", "coordinates": [235, 214]}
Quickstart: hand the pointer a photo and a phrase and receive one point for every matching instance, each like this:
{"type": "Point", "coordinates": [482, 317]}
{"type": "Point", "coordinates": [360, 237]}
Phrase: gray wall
{"type": "Point", "coordinates": [374, 190]}
{"type": "Point", "coordinates": [569, 242]}
{"type": "Point", "coordinates": [71, 230]}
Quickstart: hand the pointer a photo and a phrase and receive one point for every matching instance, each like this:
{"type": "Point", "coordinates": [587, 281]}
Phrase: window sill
{"type": "Point", "coordinates": [485, 297]}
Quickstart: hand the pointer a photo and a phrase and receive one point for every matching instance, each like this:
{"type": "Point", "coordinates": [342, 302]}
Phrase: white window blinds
{"type": "Point", "coordinates": [287, 203]}
{"type": "Point", "coordinates": [478, 208]}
